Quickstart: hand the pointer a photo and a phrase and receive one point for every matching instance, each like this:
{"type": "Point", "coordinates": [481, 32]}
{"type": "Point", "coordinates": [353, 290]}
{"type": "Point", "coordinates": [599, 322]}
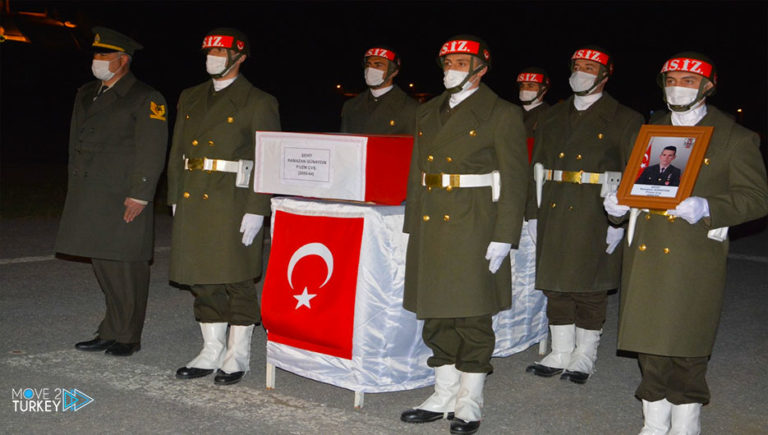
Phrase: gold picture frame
{"type": "Point", "coordinates": [645, 184]}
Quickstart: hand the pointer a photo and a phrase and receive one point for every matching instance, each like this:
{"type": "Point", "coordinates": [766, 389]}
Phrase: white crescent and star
{"type": "Point", "coordinates": [310, 249]}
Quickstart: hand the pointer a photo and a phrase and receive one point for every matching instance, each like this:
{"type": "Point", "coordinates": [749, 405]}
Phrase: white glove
{"type": "Point", "coordinates": [691, 209]}
{"type": "Point", "coordinates": [173, 209]}
{"type": "Point", "coordinates": [613, 237]}
{"type": "Point", "coordinates": [250, 227]}
{"type": "Point", "coordinates": [532, 229]}
{"type": "Point", "coordinates": [496, 252]}
{"type": "Point", "coordinates": [612, 206]}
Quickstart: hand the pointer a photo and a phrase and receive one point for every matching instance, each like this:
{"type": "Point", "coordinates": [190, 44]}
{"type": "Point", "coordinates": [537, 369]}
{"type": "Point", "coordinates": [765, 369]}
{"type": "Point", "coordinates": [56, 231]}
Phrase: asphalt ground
{"type": "Point", "coordinates": [47, 304]}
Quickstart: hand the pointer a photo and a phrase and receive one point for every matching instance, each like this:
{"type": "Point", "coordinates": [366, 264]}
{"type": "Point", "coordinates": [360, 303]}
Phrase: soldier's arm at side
{"type": "Point", "coordinates": [266, 117]}
{"type": "Point", "coordinates": [413, 196]}
{"type": "Point", "coordinates": [512, 155]}
{"type": "Point", "coordinates": [175, 162]}
{"type": "Point", "coordinates": [151, 142]}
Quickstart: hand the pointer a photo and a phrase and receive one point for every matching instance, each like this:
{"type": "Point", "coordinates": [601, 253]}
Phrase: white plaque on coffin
{"type": "Point", "coordinates": [311, 165]}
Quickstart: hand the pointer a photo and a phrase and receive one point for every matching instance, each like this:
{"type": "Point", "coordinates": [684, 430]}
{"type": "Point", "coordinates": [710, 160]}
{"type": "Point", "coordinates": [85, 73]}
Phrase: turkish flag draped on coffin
{"type": "Point", "coordinates": [308, 299]}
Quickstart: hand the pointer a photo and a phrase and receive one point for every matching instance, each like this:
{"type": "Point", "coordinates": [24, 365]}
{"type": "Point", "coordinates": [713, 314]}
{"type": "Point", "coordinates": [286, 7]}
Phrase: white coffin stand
{"type": "Point", "coordinates": [388, 352]}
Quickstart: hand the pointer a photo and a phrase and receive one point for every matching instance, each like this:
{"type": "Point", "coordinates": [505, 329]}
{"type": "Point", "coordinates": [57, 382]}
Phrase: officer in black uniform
{"type": "Point", "coordinates": [117, 144]}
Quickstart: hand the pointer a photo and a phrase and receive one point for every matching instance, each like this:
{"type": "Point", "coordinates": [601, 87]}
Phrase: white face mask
{"type": "Point", "coordinates": [373, 76]}
{"type": "Point", "coordinates": [581, 81]}
{"type": "Point", "coordinates": [215, 64]}
{"type": "Point", "coordinates": [680, 96]}
{"type": "Point", "coordinates": [453, 78]}
{"type": "Point", "coordinates": [100, 70]}
{"type": "Point", "coordinates": [526, 96]}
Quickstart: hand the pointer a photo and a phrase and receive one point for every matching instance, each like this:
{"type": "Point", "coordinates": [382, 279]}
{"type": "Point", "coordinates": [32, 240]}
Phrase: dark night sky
{"type": "Point", "coordinates": [301, 50]}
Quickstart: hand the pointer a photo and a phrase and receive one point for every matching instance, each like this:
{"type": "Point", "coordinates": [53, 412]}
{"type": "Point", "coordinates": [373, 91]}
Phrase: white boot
{"type": "Point", "coordinates": [656, 417]}
{"type": "Point", "coordinates": [469, 401]}
{"type": "Point", "coordinates": [447, 380]}
{"type": "Point", "coordinates": [238, 356]}
{"type": "Point", "coordinates": [685, 419]}
{"type": "Point", "coordinates": [583, 359]}
{"type": "Point", "coordinates": [214, 345]}
{"type": "Point", "coordinates": [563, 337]}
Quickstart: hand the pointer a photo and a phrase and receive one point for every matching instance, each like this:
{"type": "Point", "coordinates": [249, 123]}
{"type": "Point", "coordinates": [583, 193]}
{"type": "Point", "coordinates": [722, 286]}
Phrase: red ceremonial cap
{"type": "Point", "coordinates": [382, 52]}
{"type": "Point", "coordinates": [591, 54]}
{"type": "Point", "coordinates": [530, 77]}
{"type": "Point", "coordinates": [465, 46]}
{"type": "Point", "coordinates": [687, 64]}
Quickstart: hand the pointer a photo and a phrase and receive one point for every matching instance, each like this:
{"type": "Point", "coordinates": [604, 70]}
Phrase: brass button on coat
{"type": "Point", "coordinates": [392, 122]}
{"type": "Point", "coordinates": [642, 247]}
{"type": "Point", "coordinates": [706, 161]}
{"type": "Point", "coordinates": [194, 143]}
{"type": "Point", "coordinates": [599, 135]}
{"type": "Point", "coordinates": [425, 218]}
{"type": "Point", "coordinates": [430, 158]}
{"type": "Point", "coordinates": [448, 159]}
{"type": "Point", "coordinates": [205, 196]}
{"type": "Point", "coordinates": [647, 217]}
{"type": "Point", "coordinates": [186, 194]}
{"type": "Point", "coordinates": [666, 250]}
{"type": "Point", "coordinates": [210, 143]}
{"type": "Point", "coordinates": [230, 119]}
{"type": "Point", "coordinates": [448, 188]}
{"type": "Point", "coordinates": [570, 207]}
{"type": "Point", "coordinates": [446, 218]}
{"type": "Point", "coordinates": [421, 133]}
{"type": "Point", "coordinates": [186, 117]}
{"type": "Point", "coordinates": [553, 205]}
{"type": "Point", "coordinates": [671, 218]}
{"type": "Point", "coordinates": [578, 157]}
{"type": "Point", "coordinates": [472, 133]}
{"type": "Point", "coordinates": [561, 155]}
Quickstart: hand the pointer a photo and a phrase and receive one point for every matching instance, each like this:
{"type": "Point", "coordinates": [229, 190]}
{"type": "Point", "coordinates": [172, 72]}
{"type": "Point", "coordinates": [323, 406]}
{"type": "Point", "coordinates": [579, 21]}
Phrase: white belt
{"type": "Point", "coordinates": [242, 168]}
{"type": "Point", "coordinates": [206, 164]}
{"type": "Point", "coordinates": [579, 177]}
{"type": "Point", "coordinates": [451, 181]}
{"type": "Point", "coordinates": [609, 180]}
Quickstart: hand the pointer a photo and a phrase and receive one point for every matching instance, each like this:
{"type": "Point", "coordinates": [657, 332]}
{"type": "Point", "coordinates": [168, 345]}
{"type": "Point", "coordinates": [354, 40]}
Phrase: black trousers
{"type": "Point", "coordinates": [586, 310]}
{"type": "Point", "coordinates": [235, 303]}
{"type": "Point", "coordinates": [679, 380]}
{"type": "Point", "coordinates": [467, 342]}
{"type": "Point", "coordinates": [126, 286]}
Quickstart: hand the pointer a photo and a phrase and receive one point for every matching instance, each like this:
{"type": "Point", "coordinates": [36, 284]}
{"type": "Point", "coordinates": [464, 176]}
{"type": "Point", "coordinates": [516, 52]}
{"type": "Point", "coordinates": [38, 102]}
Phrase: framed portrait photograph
{"type": "Point", "coordinates": [663, 167]}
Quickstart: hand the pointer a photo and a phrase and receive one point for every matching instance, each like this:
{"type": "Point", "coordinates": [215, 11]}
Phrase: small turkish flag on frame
{"type": "Point", "coordinates": [308, 299]}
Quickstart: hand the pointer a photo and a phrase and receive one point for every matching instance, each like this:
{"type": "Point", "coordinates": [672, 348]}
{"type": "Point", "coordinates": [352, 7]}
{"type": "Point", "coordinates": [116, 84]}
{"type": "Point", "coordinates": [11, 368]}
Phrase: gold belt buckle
{"type": "Point", "coordinates": [195, 164]}
{"type": "Point", "coordinates": [433, 180]}
{"type": "Point", "coordinates": [572, 176]}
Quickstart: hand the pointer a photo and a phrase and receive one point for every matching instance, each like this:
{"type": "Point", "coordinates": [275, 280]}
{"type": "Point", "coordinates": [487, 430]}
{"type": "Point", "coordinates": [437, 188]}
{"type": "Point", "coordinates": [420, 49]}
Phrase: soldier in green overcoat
{"type": "Point", "coordinates": [533, 83]}
{"type": "Point", "coordinates": [217, 227]}
{"type": "Point", "coordinates": [673, 274]}
{"type": "Point", "coordinates": [383, 108]}
{"type": "Point", "coordinates": [465, 207]}
{"type": "Point", "coordinates": [117, 143]}
{"type": "Point", "coordinates": [578, 142]}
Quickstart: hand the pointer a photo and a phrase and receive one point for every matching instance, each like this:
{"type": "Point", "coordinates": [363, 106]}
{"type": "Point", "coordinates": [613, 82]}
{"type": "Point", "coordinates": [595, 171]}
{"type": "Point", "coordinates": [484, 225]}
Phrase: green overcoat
{"type": "Point", "coordinates": [531, 118]}
{"type": "Point", "coordinates": [673, 275]}
{"type": "Point", "coordinates": [117, 146]}
{"type": "Point", "coordinates": [572, 225]}
{"type": "Point", "coordinates": [206, 246]}
{"type": "Point", "coordinates": [446, 274]}
{"type": "Point", "coordinates": [391, 113]}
